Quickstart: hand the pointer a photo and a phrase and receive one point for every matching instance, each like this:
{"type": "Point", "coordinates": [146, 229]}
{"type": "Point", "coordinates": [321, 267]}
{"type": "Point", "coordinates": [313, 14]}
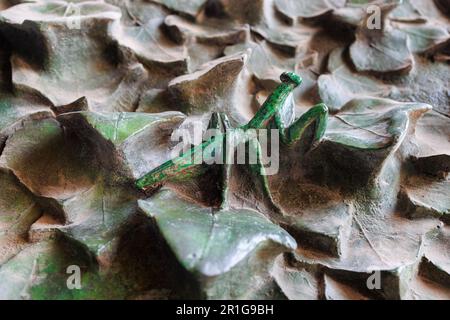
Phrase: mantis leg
{"type": "Point", "coordinates": [219, 121]}
{"type": "Point", "coordinates": [188, 164]}
{"type": "Point", "coordinates": [183, 164]}
{"type": "Point", "coordinates": [215, 121]}
{"type": "Point", "coordinates": [223, 123]}
{"type": "Point", "coordinates": [317, 115]}
{"type": "Point", "coordinates": [259, 174]}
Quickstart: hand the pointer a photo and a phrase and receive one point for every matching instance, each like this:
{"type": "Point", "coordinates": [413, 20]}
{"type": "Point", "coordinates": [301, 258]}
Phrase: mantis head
{"type": "Point", "coordinates": [291, 78]}
{"type": "Point", "coordinates": [287, 111]}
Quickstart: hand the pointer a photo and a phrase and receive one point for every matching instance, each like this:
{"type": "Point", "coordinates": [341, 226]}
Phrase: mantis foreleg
{"type": "Point", "coordinates": [317, 115]}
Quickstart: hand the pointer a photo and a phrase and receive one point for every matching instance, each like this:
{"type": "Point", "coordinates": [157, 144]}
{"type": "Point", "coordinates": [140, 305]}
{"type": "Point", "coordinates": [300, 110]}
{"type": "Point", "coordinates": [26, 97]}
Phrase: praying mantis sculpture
{"type": "Point", "coordinates": [276, 112]}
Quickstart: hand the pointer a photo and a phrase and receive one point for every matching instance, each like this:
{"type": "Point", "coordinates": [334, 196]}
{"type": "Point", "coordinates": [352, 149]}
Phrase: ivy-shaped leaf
{"type": "Point", "coordinates": [142, 33]}
{"type": "Point", "coordinates": [388, 47]}
{"type": "Point", "coordinates": [95, 71]}
{"type": "Point", "coordinates": [373, 123]}
{"type": "Point", "coordinates": [188, 7]}
{"type": "Point", "coordinates": [342, 85]}
{"type": "Point", "coordinates": [44, 161]}
{"type": "Point", "coordinates": [60, 11]}
{"type": "Point", "coordinates": [209, 33]}
{"type": "Point", "coordinates": [17, 106]}
{"type": "Point", "coordinates": [308, 9]}
{"type": "Point", "coordinates": [263, 62]}
{"type": "Point", "coordinates": [39, 272]}
{"type": "Point", "coordinates": [97, 217]}
{"type": "Point", "coordinates": [18, 208]}
{"type": "Point", "coordinates": [425, 37]}
{"type": "Point", "coordinates": [131, 142]}
{"type": "Point", "coordinates": [212, 88]}
{"type": "Point", "coordinates": [207, 242]}
{"type": "Point", "coordinates": [407, 12]}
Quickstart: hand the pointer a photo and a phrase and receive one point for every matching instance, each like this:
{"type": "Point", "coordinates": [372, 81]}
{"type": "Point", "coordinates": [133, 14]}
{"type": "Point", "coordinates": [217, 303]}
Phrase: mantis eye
{"type": "Point", "coordinates": [290, 77]}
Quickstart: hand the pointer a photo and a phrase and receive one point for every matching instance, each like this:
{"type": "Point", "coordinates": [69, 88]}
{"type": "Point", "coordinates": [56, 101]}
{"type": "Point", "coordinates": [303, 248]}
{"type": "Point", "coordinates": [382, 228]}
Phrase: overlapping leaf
{"type": "Point", "coordinates": [371, 196]}
{"type": "Point", "coordinates": [216, 241]}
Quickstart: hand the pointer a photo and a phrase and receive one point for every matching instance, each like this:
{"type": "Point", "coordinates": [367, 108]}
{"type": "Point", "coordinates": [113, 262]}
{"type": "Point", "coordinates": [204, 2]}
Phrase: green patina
{"type": "Point", "coordinates": [270, 112]}
{"type": "Point", "coordinates": [5, 112]}
{"type": "Point", "coordinates": [122, 126]}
